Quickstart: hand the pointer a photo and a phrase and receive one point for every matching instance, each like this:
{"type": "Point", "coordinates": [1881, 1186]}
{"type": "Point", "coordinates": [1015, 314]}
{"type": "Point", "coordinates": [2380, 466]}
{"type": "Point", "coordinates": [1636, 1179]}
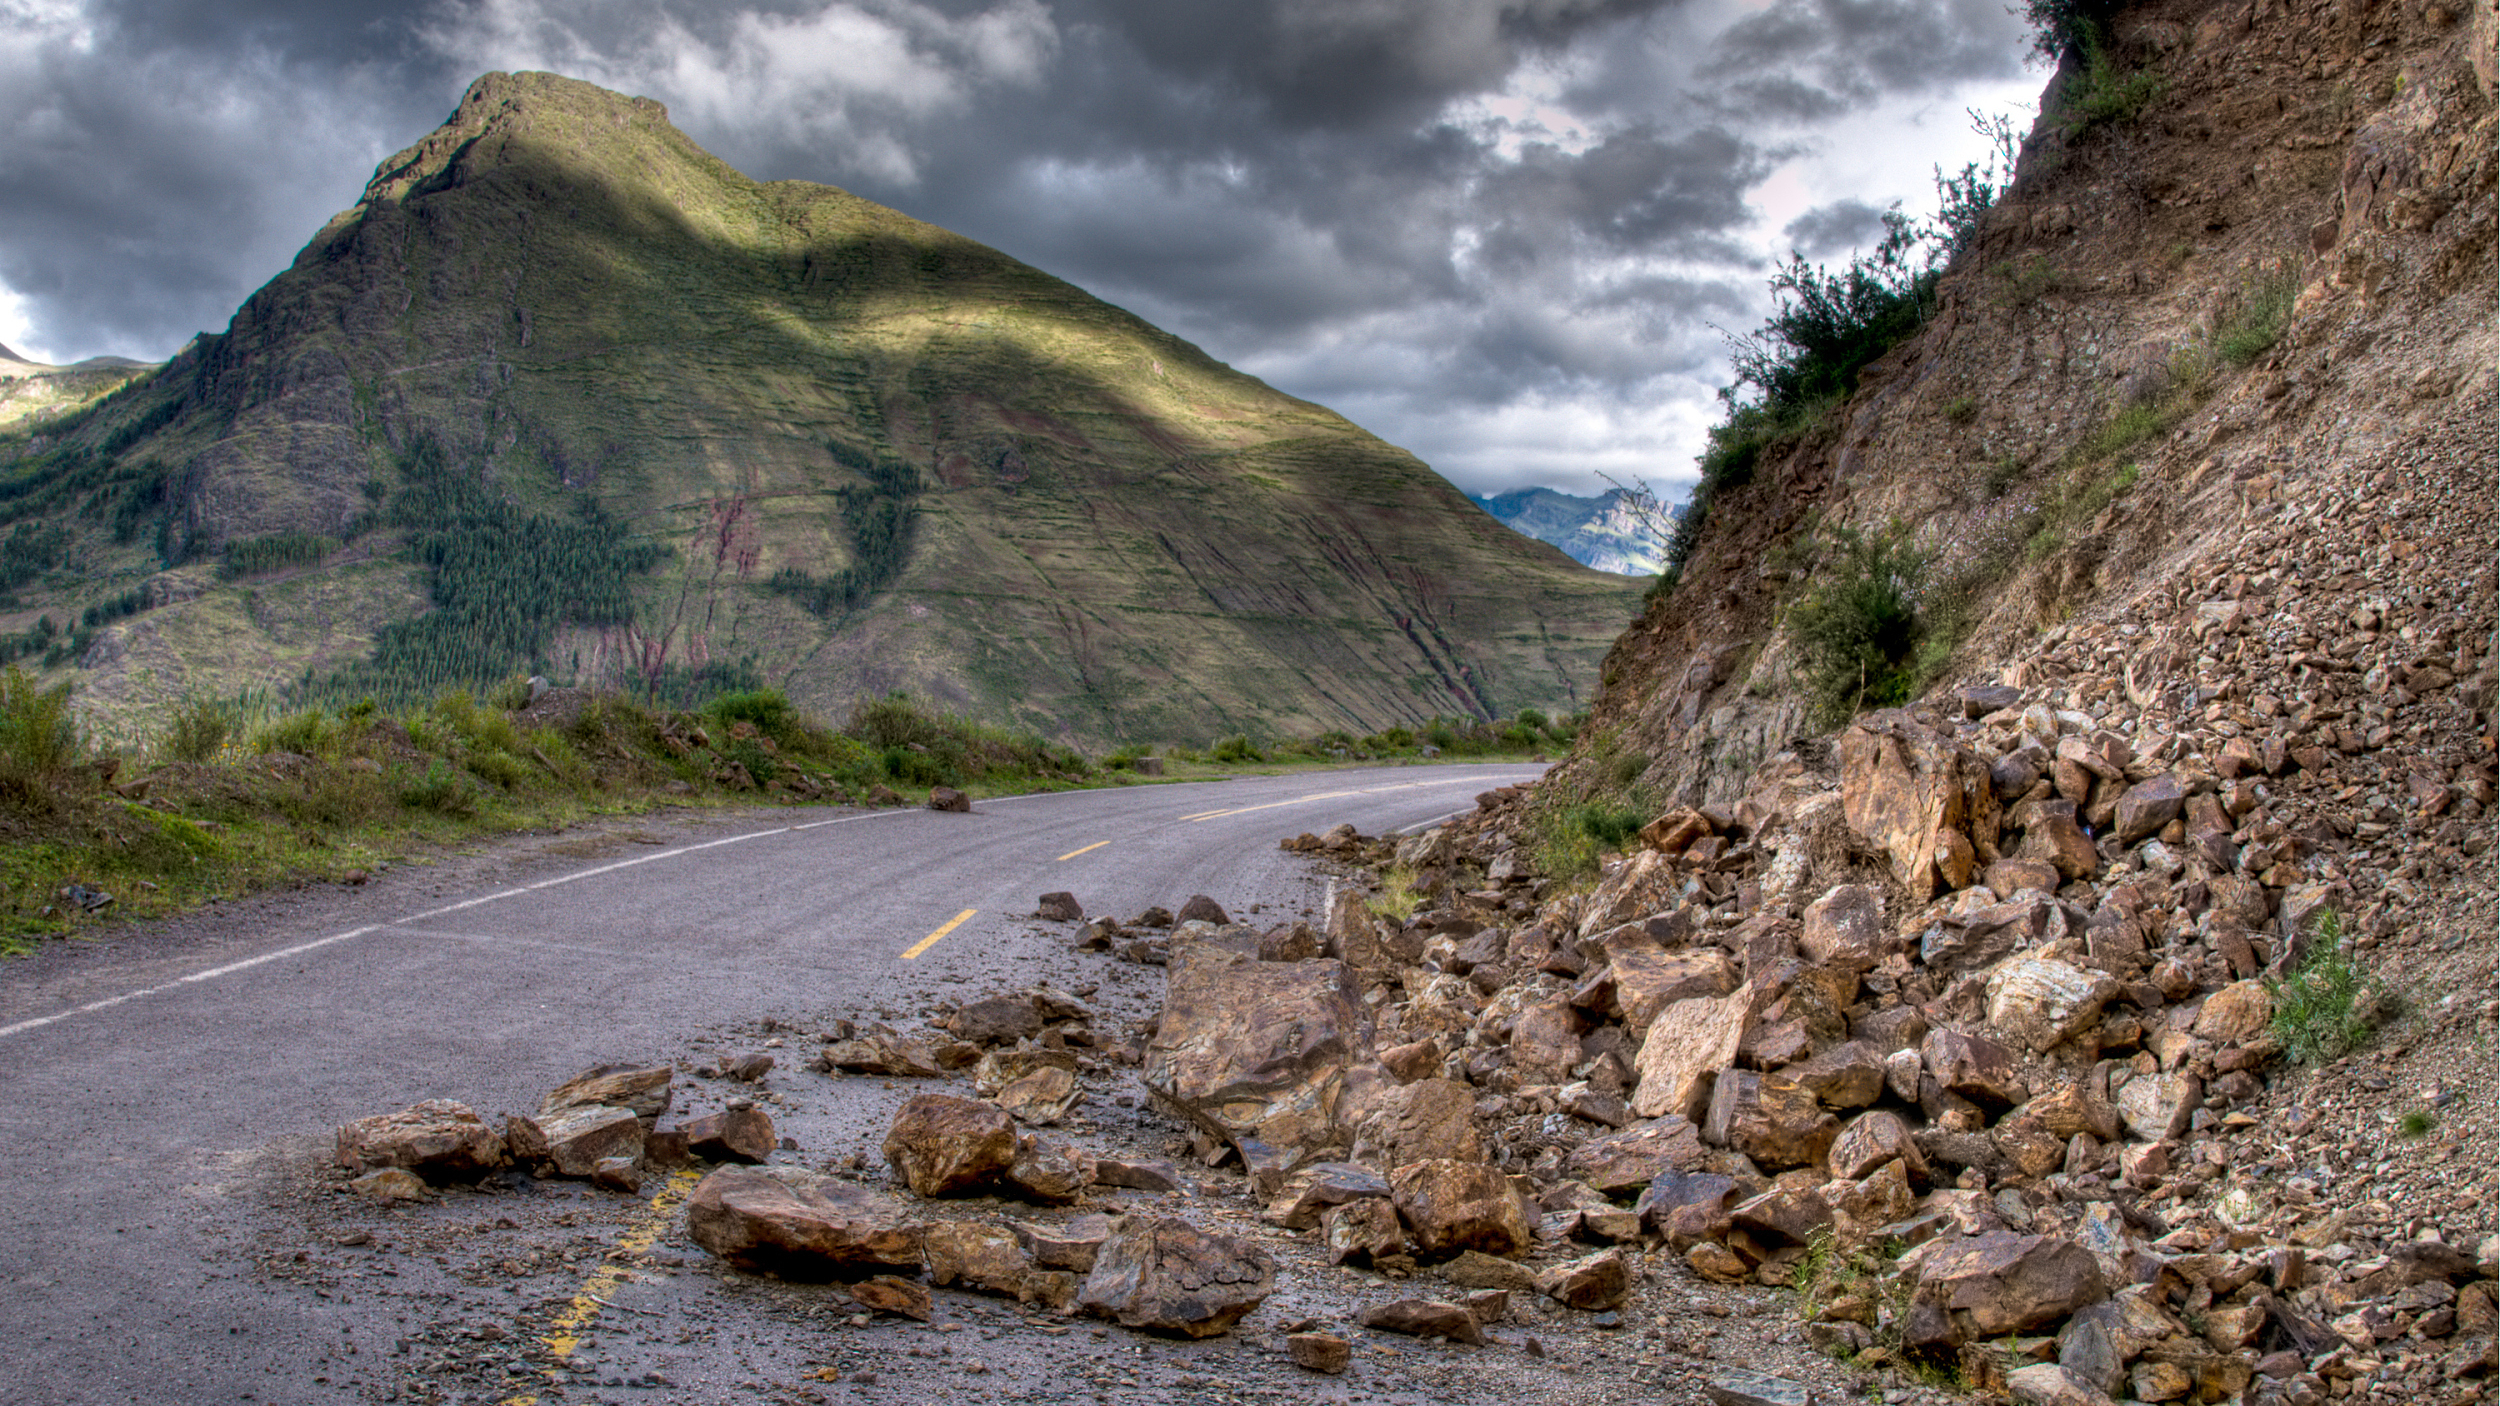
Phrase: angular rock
{"type": "Point", "coordinates": [1869, 1141]}
{"type": "Point", "coordinates": [2148, 805]}
{"type": "Point", "coordinates": [1717, 1263]}
{"type": "Point", "coordinates": [1672, 1192]}
{"type": "Point", "coordinates": [2053, 835]}
{"type": "Point", "coordinates": [1402, 1123]}
{"type": "Point", "coordinates": [1685, 1047]}
{"type": "Point", "coordinates": [1783, 1216]}
{"type": "Point", "coordinates": [947, 798]}
{"type": "Point", "coordinates": [1202, 909]}
{"type": "Point", "coordinates": [996, 1020]}
{"type": "Point", "coordinates": [1989, 1285]}
{"type": "Point", "coordinates": [1638, 1155]}
{"type": "Point", "coordinates": [1973, 1067]}
{"type": "Point", "coordinates": [1252, 1050]}
{"type": "Point", "coordinates": [1048, 1172]}
{"type": "Point", "coordinates": [2157, 1107]}
{"type": "Point", "coordinates": [645, 1089]}
{"type": "Point", "coordinates": [946, 1146]}
{"type": "Point", "coordinates": [1070, 1246]}
{"type": "Point", "coordinates": [1645, 883]}
{"type": "Point", "coordinates": [978, 1256]}
{"type": "Point", "coordinates": [574, 1140]}
{"type": "Point", "coordinates": [893, 1294]}
{"type": "Point", "coordinates": [1865, 1209]}
{"type": "Point", "coordinates": [435, 1138]}
{"type": "Point", "coordinates": [1424, 1318]}
{"type": "Point", "coordinates": [2067, 1110]}
{"type": "Point", "coordinates": [1450, 1206]}
{"type": "Point", "coordinates": [1779, 1124]}
{"type": "Point", "coordinates": [2043, 1002]}
{"type": "Point", "coordinates": [1845, 927]}
{"type": "Point", "coordinates": [2236, 1014]}
{"type": "Point", "coordinates": [390, 1184]}
{"type": "Point", "coordinates": [2048, 1384]}
{"type": "Point", "coordinates": [1157, 1177]}
{"type": "Point", "coordinates": [1319, 1352]}
{"type": "Point", "coordinates": [800, 1224]}
{"type": "Point", "coordinates": [1042, 1097]}
{"type": "Point", "coordinates": [999, 1068]}
{"type": "Point", "coordinates": [1545, 1042]}
{"type": "Point", "coordinates": [733, 1135]}
{"type": "Point", "coordinates": [1848, 1075]}
{"type": "Point", "coordinates": [1164, 1275]}
{"type": "Point", "coordinates": [1059, 908]}
{"type": "Point", "coordinates": [617, 1174]}
{"type": "Point", "coordinates": [1308, 1194]}
{"type": "Point", "coordinates": [1918, 797]}
{"type": "Point", "coordinates": [1648, 981]}
{"type": "Point", "coordinates": [877, 1050]}
{"type": "Point", "coordinates": [1362, 1232]}
{"type": "Point", "coordinates": [1735, 1387]}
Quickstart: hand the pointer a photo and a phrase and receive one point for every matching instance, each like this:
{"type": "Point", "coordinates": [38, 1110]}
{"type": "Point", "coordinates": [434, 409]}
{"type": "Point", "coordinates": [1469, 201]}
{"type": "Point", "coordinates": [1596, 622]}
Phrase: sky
{"type": "Point", "coordinates": [1503, 234]}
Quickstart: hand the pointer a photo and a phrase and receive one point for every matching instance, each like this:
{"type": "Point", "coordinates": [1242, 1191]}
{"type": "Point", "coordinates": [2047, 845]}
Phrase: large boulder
{"type": "Point", "coordinates": [1545, 1042]}
{"type": "Point", "coordinates": [1919, 797]}
{"type": "Point", "coordinates": [1400, 1123]}
{"type": "Point", "coordinates": [800, 1224]}
{"type": "Point", "coordinates": [1688, 1044]}
{"type": "Point", "coordinates": [1987, 1286]}
{"type": "Point", "coordinates": [1256, 1052]}
{"type": "Point", "coordinates": [1592, 1283]}
{"type": "Point", "coordinates": [644, 1088]}
{"type": "Point", "coordinates": [2148, 805]}
{"type": "Point", "coordinates": [1778, 1123]}
{"type": "Point", "coordinates": [1648, 981]}
{"type": "Point", "coordinates": [1310, 1193]}
{"type": "Point", "coordinates": [1845, 926]}
{"type": "Point", "coordinates": [1643, 884]}
{"type": "Point", "coordinates": [1164, 1275]}
{"type": "Point", "coordinates": [1974, 1067]}
{"type": "Point", "coordinates": [575, 1140]}
{"type": "Point", "coordinates": [1450, 1206]}
{"type": "Point", "coordinates": [1638, 1155]}
{"type": "Point", "coordinates": [731, 1135]}
{"type": "Point", "coordinates": [436, 1138]}
{"type": "Point", "coordinates": [2044, 1002]}
{"type": "Point", "coordinates": [1869, 1141]}
{"type": "Point", "coordinates": [945, 1146]}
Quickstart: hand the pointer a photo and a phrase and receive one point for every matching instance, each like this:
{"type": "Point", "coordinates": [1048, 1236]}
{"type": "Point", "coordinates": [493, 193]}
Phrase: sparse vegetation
{"type": "Point", "coordinates": [1858, 631]}
{"type": "Point", "coordinates": [1397, 900]}
{"type": "Point", "coordinates": [2256, 319]}
{"type": "Point", "coordinates": [2329, 1005]}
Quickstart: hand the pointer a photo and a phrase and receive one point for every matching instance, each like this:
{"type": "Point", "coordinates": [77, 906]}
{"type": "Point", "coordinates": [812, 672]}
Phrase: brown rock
{"type": "Point", "coordinates": [1778, 1123]}
{"type": "Point", "coordinates": [1059, 908]}
{"type": "Point", "coordinates": [1638, 1155]}
{"type": "Point", "coordinates": [1040, 1098]}
{"type": "Point", "coordinates": [1416, 1059]}
{"type": "Point", "coordinates": [1319, 1352]}
{"type": "Point", "coordinates": [1905, 789]}
{"type": "Point", "coordinates": [1202, 909]}
{"type": "Point", "coordinates": [1450, 1206]}
{"type": "Point", "coordinates": [1292, 942]}
{"type": "Point", "coordinates": [978, 1256]}
{"type": "Point", "coordinates": [2066, 1110]}
{"type": "Point", "coordinates": [1592, 1283]}
{"type": "Point", "coordinates": [893, 1294]}
{"type": "Point", "coordinates": [1648, 981]}
{"type": "Point", "coordinates": [2043, 1002]}
{"type": "Point", "coordinates": [436, 1138]}
{"type": "Point", "coordinates": [1869, 1141]}
{"type": "Point", "coordinates": [2048, 1384]}
{"type": "Point", "coordinates": [1307, 1194]}
{"type": "Point", "coordinates": [2054, 835]}
{"type": "Point", "coordinates": [2149, 805]}
{"type": "Point", "coordinates": [734, 1135]}
{"type": "Point", "coordinates": [877, 1050]}
{"type": "Point", "coordinates": [2008, 877]}
{"type": "Point", "coordinates": [390, 1184]}
{"type": "Point", "coordinates": [1257, 1051]}
{"type": "Point", "coordinates": [1684, 1049]}
{"type": "Point", "coordinates": [2156, 1107]}
{"type": "Point", "coordinates": [1424, 1318]}
{"type": "Point", "coordinates": [1048, 1172]}
{"type": "Point", "coordinates": [1848, 1075]}
{"type": "Point", "coordinates": [1865, 1209]}
{"type": "Point", "coordinates": [1164, 1275]}
{"type": "Point", "coordinates": [1973, 1067]}
{"type": "Point", "coordinates": [946, 1146]}
{"type": "Point", "coordinates": [2236, 1014]}
{"type": "Point", "coordinates": [799, 1224]}
{"type": "Point", "coordinates": [1545, 1042]}
{"type": "Point", "coordinates": [574, 1140]}
{"type": "Point", "coordinates": [1362, 1232]}
{"type": "Point", "coordinates": [1002, 1019]}
{"type": "Point", "coordinates": [1000, 1068]}
{"type": "Point", "coordinates": [1783, 1215]}
{"type": "Point", "coordinates": [1401, 1123]}
{"type": "Point", "coordinates": [1717, 1263]}
{"type": "Point", "coordinates": [1845, 927]}
{"type": "Point", "coordinates": [643, 1088]}
{"type": "Point", "coordinates": [1070, 1245]}
{"type": "Point", "coordinates": [947, 798]}
{"type": "Point", "coordinates": [1645, 883]}
{"type": "Point", "coordinates": [1148, 1175]}
{"type": "Point", "coordinates": [1986, 1286]}
{"type": "Point", "coordinates": [1485, 1273]}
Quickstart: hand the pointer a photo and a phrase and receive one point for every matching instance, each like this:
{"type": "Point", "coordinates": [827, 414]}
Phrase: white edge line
{"type": "Point", "coordinates": [212, 973]}
{"type": "Point", "coordinates": [1421, 825]}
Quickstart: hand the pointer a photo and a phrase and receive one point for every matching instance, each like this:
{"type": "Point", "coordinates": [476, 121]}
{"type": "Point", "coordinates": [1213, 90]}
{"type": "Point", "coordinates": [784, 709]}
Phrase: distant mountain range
{"type": "Point", "coordinates": [563, 392]}
{"type": "Point", "coordinates": [1608, 532]}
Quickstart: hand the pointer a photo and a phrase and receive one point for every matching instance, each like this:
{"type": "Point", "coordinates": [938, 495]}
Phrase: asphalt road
{"type": "Point", "coordinates": [171, 1093]}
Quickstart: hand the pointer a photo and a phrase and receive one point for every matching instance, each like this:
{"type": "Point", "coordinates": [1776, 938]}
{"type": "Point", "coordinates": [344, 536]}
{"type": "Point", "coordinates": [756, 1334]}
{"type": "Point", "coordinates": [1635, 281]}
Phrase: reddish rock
{"type": "Point", "coordinates": [1425, 1318]}
{"type": "Point", "coordinates": [1908, 792]}
{"type": "Point", "coordinates": [643, 1088]}
{"type": "Point", "coordinates": [1987, 1286]}
{"type": "Point", "coordinates": [1059, 908]}
{"type": "Point", "coordinates": [996, 1020]}
{"type": "Point", "coordinates": [1451, 1206]}
{"type": "Point", "coordinates": [1050, 1173]}
{"type": "Point", "coordinates": [573, 1141]}
{"type": "Point", "coordinates": [947, 798]}
{"type": "Point", "coordinates": [1416, 1059]}
{"type": "Point", "coordinates": [1319, 1352]}
{"type": "Point", "coordinates": [2053, 835]}
{"type": "Point", "coordinates": [877, 1050]}
{"type": "Point", "coordinates": [2149, 805]}
{"type": "Point", "coordinates": [946, 1146]}
{"type": "Point", "coordinates": [1592, 1283]}
{"type": "Point", "coordinates": [1869, 1141]}
{"type": "Point", "coordinates": [1042, 1097]}
{"type": "Point", "coordinates": [1362, 1232]}
{"type": "Point", "coordinates": [1848, 1075]}
{"type": "Point", "coordinates": [893, 1294]}
{"type": "Point", "coordinates": [1545, 1042]}
{"type": "Point", "coordinates": [1683, 1051]}
{"type": "Point", "coordinates": [2043, 1003]}
{"type": "Point", "coordinates": [735, 1135]}
{"type": "Point", "coordinates": [1648, 981]}
{"type": "Point", "coordinates": [1845, 927]}
{"type": "Point", "coordinates": [1164, 1275]}
{"type": "Point", "coordinates": [1401, 1123]}
{"type": "Point", "coordinates": [1638, 1155]}
{"type": "Point", "coordinates": [800, 1224]}
{"type": "Point", "coordinates": [1257, 1051]}
{"type": "Point", "coordinates": [1779, 1124]}
{"type": "Point", "coordinates": [436, 1138]}
{"type": "Point", "coordinates": [1973, 1067]}
{"type": "Point", "coordinates": [1308, 1194]}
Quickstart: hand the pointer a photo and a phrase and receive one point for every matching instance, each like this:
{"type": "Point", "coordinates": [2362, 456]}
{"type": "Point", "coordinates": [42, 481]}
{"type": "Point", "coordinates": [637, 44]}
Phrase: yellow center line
{"type": "Point", "coordinates": [564, 1334]}
{"type": "Point", "coordinates": [930, 941]}
{"type": "Point", "coordinates": [1089, 849]}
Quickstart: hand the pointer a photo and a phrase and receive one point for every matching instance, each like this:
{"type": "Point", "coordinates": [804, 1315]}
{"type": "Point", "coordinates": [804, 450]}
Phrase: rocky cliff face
{"type": "Point", "coordinates": [2200, 443]}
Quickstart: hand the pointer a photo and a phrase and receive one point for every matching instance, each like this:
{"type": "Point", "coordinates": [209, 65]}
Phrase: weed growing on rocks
{"type": "Point", "coordinates": [2326, 1007]}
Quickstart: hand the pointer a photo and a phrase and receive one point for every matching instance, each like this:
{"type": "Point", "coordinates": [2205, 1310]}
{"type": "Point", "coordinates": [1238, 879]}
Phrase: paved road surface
{"type": "Point", "coordinates": [167, 1092]}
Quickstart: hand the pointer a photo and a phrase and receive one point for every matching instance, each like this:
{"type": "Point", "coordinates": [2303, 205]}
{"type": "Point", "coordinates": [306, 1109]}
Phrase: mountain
{"type": "Point", "coordinates": [563, 390]}
{"type": "Point", "coordinates": [1608, 532]}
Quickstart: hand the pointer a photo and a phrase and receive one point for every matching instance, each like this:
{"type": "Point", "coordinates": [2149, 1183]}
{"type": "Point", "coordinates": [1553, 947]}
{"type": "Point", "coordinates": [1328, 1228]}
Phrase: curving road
{"type": "Point", "coordinates": [165, 1096]}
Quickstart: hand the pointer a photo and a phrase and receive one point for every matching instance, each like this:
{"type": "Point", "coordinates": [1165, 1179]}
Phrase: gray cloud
{"type": "Point", "coordinates": [1836, 228]}
{"type": "Point", "coordinates": [1498, 231]}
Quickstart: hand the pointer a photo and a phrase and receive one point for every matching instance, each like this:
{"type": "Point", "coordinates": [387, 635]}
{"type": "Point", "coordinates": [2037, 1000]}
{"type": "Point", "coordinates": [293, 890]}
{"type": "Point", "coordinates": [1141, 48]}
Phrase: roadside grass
{"type": "Point", "coordinates": [232, 798]}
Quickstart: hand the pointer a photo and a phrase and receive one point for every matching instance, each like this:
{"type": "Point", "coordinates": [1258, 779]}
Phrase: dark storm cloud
{"type": "Point", "coordinates": [1836, 228]}
{"type": "Point", "coordinates": [1503, 227]}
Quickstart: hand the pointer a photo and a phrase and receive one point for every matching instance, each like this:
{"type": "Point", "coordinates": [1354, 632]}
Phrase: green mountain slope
{"type": "Point", "coordinates": [877, 456]}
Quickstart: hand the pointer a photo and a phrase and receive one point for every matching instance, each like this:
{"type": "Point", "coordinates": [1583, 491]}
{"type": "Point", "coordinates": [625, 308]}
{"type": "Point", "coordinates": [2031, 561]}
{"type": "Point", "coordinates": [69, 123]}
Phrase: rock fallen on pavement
{"type": "Point", "coordinates": [941, 1145]}
{"type": "Point", "coordinates": [1425, 1318]}
{"type": "Point", "coordinates": [800, 1224]}
{"type": "Point", "coordinates": [1164, 1275]}
{"type": "Point", "coordinates": [435, 1138]}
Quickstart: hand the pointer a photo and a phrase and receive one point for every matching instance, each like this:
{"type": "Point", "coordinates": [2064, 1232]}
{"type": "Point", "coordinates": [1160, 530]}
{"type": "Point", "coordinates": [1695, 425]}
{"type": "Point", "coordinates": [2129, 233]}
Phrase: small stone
{"type": "Point", "coordinates": [1591, 1284]}
{"type": "Point", "coordinates": [1425, 1318]}
{"type": "Point", "coordinates": [390, 1184]}
{"type": "Point", "coordinates": [735, 1135]}
{"type": "Point", "coordinates": [1059, 908]}
{"type": "Point", "coordinates": [1320, 1352]}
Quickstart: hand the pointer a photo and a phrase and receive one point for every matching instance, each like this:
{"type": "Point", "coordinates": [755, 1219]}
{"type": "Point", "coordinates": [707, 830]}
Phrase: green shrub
{"type": "Point", "coordinates": [1857, 634]}
{"type": "Point", "coordinates": [498, 766]}
{"type": "Point", "coordinates": [1236, 749]}
{"type": "Point", "coordinates": [442, 788]}
{"type": "Point", "coordinates": [199, 729]}
{"type": "Point", "coordinates": [910, 768]}
{"type": "Point", "coordinates": [749, 752]}
{"type": "Point", "coordinates": [2256, 320]}
{"type": "Point", "coordinates": [39, 741]}
{"type": "Point", "coordinates": [1440, 734]}
{"type": "Point", "coordinates": [307, 732]}
{"type": "Point", "coordinates": [2326, 1007]}
{"type": "Point", "coordinates": [2101, 93]}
